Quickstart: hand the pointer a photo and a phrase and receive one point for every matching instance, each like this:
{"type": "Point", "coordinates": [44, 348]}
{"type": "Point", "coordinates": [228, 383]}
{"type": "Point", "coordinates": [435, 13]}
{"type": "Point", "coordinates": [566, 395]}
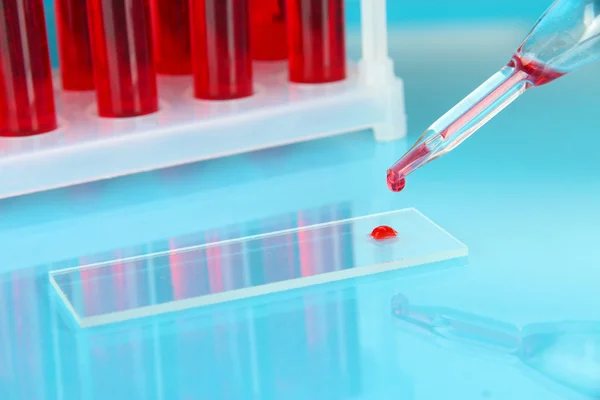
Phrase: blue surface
{"type": "Point", "coordinates": [523, 195]}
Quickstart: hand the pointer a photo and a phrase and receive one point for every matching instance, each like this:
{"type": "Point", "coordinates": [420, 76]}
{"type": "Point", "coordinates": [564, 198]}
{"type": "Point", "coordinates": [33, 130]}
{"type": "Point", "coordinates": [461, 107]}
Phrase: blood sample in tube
{"type": "Point", "coordinates": [316, 40]}
{"type": "Point", "coordinates": [171, 33]}
{"type": "Point", "coordinates": [221, 56]}
{"type": "Point", "coordinates": [74, 45]}
{"type": "Point", "coordinates": [26, 92]}
{"type": "Point", "coordinates": [124, 70]}
{"type": "Point", "coordinates": [268, 31]}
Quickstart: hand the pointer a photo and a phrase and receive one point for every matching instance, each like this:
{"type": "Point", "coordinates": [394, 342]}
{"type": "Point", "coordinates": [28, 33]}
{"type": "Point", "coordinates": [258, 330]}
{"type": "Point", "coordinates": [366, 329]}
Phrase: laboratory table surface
{"type": "Point", "coordinates": [522, 194]}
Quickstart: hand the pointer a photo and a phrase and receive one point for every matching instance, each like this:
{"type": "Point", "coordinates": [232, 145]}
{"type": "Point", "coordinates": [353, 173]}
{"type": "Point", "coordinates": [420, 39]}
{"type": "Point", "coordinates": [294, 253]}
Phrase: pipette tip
{"type": "Point", "coordinates": [395, 180]}
{"type": "Point", "coordinates": [418, 155]}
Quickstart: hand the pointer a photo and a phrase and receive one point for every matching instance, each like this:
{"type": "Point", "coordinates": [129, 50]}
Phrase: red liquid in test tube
{"type": "Point", "coordinates": [74, 47]}
{"type": "Point", "coordinates": [268, 30]}
{"type": "Point", "coordinates": [222, 61]}
{"type": "Point", "coordinates": [125, 75]}
{"type": "Point", "coordinates": [26, 92]}
{"type": "Point", "coordinates": [171, 34]}
{"type": "Point", "coordinates": [316, 40]}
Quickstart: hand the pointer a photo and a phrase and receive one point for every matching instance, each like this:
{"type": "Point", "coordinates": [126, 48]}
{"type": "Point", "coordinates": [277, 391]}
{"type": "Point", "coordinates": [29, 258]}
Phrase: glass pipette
{"type": "Point", "coordinates": [565, 38]}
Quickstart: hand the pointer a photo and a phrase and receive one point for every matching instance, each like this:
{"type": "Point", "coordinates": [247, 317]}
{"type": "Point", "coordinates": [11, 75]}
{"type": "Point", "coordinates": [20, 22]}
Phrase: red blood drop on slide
{"type": "Point", "coordinates": [383, 232]}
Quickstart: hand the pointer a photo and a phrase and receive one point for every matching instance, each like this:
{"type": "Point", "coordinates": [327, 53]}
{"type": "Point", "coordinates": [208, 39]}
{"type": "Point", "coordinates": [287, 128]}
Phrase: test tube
{"type": "Point", "coordinates": [171, 34]}
{"type": "Point", "coordinates": [267, 28]}
{"type": "Point", "coordinates": [26, 91]}
{"type": "Point", "coordinates": [316, 40]}
{"type": "Point", "coordinates": [124, 69]}
{"type": "Point", "coordinates": [74, 48]}
{"type": "Point", "coordinates": [221, 57]}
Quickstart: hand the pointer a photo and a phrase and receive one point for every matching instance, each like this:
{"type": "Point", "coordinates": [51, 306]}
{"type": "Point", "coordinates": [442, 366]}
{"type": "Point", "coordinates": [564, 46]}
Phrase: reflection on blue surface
{"type": "Point", "coordinates": [184, 359]}
{"type": "Point", "coordinates": [320, 347]}
{"type": "Point", "coordinates": [567, 353]}
{"type": "Point", "coordinates": [230, 358]}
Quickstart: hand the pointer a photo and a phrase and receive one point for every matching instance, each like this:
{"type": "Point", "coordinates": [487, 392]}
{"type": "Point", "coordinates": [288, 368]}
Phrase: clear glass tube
{"type": "Point", "coordinates": [461, 121]}
{"type": "Point", "coordinates": [565, 38]}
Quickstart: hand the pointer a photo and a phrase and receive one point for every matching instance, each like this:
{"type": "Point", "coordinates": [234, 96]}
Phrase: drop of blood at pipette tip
{"type": "Point", "coordinates": [383, 232]}
{"type": "Point", "coordinates": [395, 181]}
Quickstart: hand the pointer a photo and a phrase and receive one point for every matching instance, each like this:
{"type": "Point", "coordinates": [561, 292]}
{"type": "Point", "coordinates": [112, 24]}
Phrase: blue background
{"type": "Point", "coordinates": [522, 194]}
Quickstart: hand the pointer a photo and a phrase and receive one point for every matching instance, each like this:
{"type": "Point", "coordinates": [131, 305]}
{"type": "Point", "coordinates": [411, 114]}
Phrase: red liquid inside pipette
{"type": "Point", "coordinates": [383, 232]}
{"type": "Point", "coordinates": [537, 73]}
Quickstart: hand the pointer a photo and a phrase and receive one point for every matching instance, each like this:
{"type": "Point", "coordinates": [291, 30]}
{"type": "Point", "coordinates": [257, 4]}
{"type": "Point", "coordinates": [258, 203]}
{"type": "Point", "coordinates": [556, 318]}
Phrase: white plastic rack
{"type": "Point", "coordinates": [87, 148]}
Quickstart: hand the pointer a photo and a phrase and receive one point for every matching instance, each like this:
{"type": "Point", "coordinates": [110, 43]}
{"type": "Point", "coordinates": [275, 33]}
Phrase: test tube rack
{"type": "Point", "coordinates": [88, 148]}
